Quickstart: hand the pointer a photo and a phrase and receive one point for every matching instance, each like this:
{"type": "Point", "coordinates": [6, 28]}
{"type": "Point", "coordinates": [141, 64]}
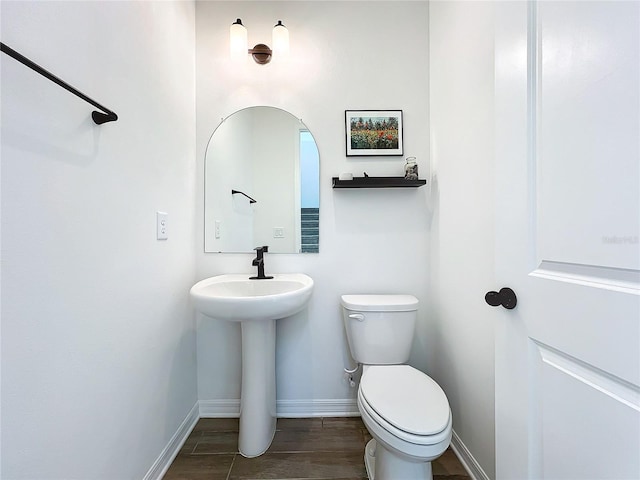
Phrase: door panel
{"type": "Point", "coordinates": [568, 191]}
{"type": "Point", "coordinates": [587, 133]}
{"type": "Point", "coordinates": [589, 421]}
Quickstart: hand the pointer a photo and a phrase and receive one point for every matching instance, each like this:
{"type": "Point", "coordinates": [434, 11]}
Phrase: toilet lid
{"type": "Point", "coordinates": [380, 303]}
{"type": "Point", "coordinates": [406, 398]}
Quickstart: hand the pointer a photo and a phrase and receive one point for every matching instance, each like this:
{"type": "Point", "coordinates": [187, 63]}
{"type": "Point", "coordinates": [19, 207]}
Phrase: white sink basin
{"type": "Point", "coordinates": [256, 305]}
{"type": "Point", "coordinates": [236, 298]}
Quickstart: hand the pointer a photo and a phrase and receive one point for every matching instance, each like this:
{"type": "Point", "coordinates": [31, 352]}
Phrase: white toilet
{"type": "Point", "coordinates": [405, 411]}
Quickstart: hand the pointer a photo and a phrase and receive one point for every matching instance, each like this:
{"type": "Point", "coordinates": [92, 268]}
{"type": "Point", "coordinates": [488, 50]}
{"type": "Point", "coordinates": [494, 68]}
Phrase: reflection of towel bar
{"type": "Point", "coordinates": [251, 200]}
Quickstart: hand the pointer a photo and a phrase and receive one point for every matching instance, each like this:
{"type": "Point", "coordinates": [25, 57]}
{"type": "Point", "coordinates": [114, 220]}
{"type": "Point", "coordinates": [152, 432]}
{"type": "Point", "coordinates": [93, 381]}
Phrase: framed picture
{"type": "Point", "coordinates": [373, 132]}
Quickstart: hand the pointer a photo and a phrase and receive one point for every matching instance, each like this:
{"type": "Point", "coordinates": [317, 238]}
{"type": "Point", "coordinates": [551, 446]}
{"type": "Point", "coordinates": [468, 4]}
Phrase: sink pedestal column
{"type": "Point", "coordinates": [258, 396]}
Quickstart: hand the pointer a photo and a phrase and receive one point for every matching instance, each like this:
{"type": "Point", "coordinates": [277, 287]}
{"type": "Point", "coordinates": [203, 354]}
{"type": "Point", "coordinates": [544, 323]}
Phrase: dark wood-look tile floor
{"type": "Point", "coordinates": [303, 448]}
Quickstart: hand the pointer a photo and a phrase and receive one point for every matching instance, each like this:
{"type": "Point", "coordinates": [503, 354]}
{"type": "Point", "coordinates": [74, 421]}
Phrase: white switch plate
{"type": "Point", "coordinates": [278, 232]}
{"type": "Point", "coordinates": [217, 228]}
{"type": "Point", "coordinates": [161, 225]}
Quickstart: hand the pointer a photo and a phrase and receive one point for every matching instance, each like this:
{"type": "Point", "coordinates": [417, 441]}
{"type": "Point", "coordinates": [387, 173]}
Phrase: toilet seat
{"type": "Point", "coordinates": [406, 403]}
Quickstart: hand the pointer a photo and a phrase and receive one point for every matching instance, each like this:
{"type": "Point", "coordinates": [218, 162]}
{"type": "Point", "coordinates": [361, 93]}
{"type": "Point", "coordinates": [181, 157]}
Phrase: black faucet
{"type": "Point", "coordinates": [259, 262]}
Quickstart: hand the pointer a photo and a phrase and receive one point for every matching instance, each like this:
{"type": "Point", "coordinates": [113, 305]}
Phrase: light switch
{"type": "Point", "coordinates": [278, 232]}
{"type": "Point", "coordinates": [217, 228]}
{"type": "Point", "coordinates": [161, 225]}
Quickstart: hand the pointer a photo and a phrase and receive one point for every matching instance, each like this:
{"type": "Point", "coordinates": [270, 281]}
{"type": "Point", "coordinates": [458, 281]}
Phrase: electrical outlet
{"type": "Point", "coordinates": [161, 225]}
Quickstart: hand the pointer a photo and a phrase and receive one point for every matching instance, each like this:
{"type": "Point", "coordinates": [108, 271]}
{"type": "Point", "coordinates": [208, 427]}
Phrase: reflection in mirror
{"type": "Point", "coordinates": [270, 161]}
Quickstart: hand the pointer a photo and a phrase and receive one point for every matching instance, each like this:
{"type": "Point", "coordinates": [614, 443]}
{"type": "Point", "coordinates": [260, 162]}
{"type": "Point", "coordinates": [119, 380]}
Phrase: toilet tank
{"type": "Point", "coordinates": [380, 328]}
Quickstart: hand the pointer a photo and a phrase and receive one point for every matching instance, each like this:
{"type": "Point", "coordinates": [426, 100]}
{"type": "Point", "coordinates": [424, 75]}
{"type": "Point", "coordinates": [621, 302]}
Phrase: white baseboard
{"type": "Point", "coordinates": [470, 464]}
{"type": "Point", "coordinates": [219, 408]}
{"type": "Point", "coordinates": [346, 407]}
{"type": "Point", "coordinates": [163, 462]}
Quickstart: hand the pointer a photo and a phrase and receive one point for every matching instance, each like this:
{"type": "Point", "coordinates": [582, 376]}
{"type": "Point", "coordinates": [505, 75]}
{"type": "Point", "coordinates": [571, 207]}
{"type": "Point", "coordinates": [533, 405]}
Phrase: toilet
{"type": "Point", "coordinates": [404, 410]}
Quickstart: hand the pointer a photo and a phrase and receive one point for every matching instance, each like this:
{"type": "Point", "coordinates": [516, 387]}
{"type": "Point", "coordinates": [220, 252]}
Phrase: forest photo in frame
{"type": "Point", "coordinates": [373, 132]}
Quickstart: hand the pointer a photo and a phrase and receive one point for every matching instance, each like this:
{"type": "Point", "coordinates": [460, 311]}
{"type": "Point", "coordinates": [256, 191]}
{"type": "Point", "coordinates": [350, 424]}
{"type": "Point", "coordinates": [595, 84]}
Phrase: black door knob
{"type": "Point", "coordinates": [505, 297]}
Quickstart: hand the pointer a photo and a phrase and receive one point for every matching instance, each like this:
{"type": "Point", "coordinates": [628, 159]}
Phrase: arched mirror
{"type": "Point", "coordinates": [262, 184]}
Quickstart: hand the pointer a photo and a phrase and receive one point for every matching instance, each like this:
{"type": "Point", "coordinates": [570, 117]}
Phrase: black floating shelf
{"type": "Point", "coordinates": [377, 182]}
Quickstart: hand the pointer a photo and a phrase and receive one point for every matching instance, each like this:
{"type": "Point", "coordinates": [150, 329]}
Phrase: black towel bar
{"type": "Point", "coordinates": [251, 200]}
{"type": "Point", "coordinates": [98, 117]}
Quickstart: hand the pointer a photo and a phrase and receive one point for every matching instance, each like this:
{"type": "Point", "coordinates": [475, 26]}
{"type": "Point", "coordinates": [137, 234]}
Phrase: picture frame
{"type": "Point", "coordinates": [373, 133]}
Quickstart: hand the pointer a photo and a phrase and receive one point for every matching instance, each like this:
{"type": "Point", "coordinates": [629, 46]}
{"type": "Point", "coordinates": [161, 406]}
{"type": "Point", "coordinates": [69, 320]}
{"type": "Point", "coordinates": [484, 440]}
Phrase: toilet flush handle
{"type": "Point", "coordinates": [357, 316]}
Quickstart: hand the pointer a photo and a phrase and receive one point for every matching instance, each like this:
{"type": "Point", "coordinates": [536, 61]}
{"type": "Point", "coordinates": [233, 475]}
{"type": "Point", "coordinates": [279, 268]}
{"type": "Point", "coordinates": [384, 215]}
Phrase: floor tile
{"type": "Point", "coordinates": [322, 440]}
{"type": "Point", "coordinates": [217, 425]}
{"type": "Point", "coordinates": [189, 444]}
{"type": "Point", "coordinates": [299, 466]}
{"type": "Point", "coordinates": [199, 467]}
{"type": "Point", "coordinates": [448, 464]}
{"type": "Point", "coordinates": [216, 443]}
{"type": "Point", "coordinates": [299, 423]}
{"type": "Point", "coordinates": [308, 448]}
{"type": "Point", "coordinates": [343, 422]}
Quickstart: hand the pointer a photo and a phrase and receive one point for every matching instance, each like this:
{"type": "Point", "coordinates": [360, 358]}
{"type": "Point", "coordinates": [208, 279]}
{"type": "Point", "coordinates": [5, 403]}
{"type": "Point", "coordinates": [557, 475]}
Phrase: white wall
{"type": "Point", "coordinates": [98, 347]}
{"type": "Point", "coordinates": [461, 328]}
{"type": "Point", "coordinates": [343, 56]}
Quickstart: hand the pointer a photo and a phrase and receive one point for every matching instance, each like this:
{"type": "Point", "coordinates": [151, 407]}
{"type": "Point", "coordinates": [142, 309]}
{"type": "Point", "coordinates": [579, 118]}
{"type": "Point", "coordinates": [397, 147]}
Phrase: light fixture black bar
{"type": "Point", "coordinates": [251, 200]}
{"type": "Point", "coordinates": [98, 117]}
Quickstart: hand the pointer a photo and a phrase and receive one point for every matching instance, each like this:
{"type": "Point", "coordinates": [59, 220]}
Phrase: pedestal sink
{"type": "Point", "coordinates": [256, 304]}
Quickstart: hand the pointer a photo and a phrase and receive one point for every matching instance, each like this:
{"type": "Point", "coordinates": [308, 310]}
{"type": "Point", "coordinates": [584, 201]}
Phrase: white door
{"type": "Point", "coordinates": [568, 214]}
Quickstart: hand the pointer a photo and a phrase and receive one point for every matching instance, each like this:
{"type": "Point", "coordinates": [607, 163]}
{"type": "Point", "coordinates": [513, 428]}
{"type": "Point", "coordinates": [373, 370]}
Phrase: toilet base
{"type": "Point", "coordinates": [370, 458]}
{"type": "Point", "coordinates": [382, 464]}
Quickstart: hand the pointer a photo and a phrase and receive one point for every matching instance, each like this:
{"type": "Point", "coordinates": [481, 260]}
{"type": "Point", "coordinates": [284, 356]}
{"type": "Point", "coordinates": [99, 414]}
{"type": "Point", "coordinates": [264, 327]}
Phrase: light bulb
{"type": "Point", "coordinates": [238, 40]}
{"type": "Point", "coordinates": [280, 40]}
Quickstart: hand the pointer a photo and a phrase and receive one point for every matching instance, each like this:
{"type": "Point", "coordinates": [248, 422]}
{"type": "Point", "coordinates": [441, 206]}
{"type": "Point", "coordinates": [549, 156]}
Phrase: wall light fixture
{"type": "Point", "coordinates": [261, 53]}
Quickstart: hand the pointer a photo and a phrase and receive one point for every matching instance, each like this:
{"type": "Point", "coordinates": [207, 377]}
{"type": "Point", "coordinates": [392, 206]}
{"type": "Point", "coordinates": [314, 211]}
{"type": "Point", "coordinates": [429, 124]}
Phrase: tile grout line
{"type": "Point", "coordinates": [231, 466]}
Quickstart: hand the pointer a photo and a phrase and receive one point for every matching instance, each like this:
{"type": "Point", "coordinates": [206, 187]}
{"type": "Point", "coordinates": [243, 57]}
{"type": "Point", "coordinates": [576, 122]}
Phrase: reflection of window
{"type": "Point", "coordinates": [309, 193]}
